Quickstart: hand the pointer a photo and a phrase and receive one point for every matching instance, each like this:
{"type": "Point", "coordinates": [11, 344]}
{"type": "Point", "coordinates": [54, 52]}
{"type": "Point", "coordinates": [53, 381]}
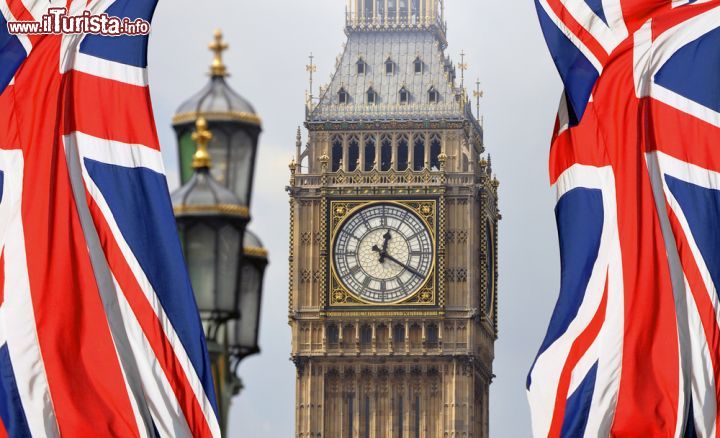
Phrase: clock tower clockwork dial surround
{"type": "Point", "coordinates": [383, 253]}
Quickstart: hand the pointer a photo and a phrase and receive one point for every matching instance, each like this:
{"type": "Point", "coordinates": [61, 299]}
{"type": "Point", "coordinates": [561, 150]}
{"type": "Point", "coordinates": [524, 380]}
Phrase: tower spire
{"type": "Point", "coordinates": [311, 68]}
{"type": "Point", "coordinates": [462, 66]}
{"type": "Point", "coordinates": [478, 93]}
{"type": "Point", "coordinates": [218, 46]}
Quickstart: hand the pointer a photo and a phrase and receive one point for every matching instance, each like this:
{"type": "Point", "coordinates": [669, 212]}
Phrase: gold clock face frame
{"type": "Point", "coordinates": [348, 216]}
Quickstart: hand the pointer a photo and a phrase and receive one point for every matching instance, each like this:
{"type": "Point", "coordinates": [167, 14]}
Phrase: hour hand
{"type": "Point", "coordinates": [383, 252]}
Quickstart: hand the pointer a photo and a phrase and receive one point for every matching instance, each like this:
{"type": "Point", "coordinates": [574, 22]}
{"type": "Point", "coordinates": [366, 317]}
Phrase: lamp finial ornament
{"type": "Point", "coordinates": [201, 137]}
{"type": "Point", "coordinates": [218, 46]}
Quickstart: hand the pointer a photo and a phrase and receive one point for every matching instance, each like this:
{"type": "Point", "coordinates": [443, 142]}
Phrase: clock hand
{"type": "Point", "coordinates": [387, 236]}
{"type": "Point", "coordinates": [408, 268]}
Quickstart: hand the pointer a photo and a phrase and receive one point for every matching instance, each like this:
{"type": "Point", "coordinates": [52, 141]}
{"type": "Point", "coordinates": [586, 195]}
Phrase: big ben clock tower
{"type": "Point", "coordinates": [393, 238]}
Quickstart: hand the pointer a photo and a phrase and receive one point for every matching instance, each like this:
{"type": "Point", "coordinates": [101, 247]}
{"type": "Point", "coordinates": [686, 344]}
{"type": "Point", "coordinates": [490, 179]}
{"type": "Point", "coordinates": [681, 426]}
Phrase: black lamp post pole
{"type": "Point", "coordinates": [226, 275]}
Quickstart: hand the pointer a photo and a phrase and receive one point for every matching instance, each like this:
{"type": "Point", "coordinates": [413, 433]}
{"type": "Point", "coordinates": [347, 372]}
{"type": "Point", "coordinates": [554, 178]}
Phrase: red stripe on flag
{"type": "Point", "coordinates": [663, 22]}
{"type": "Point", "coordinates": [151, 326]}
{"type": "Point", "coordinates": [578, 30]}
{"type": "Point", "coordinates": [579, 347]}
{"type": "Point", "coordinates": [663, 135]}
{"type": "Point", "coordinates": [110, 109]}
{"type": "Point", "coordinates": [703, 303]}
{"type": "Point", "coordinates": [572, 146]}
{"type": "Point", "coordinates": [647, 403]}
{"type": "Point", "coordinates": [86, 383]}
{"type": "Point", "coordinates": [637, 12]}
{"type": "Point", "coordinates": [21, 13]}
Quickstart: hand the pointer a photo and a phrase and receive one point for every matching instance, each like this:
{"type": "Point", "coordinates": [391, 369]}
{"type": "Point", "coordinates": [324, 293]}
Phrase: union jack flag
{"type": "Point", "coordinates": [633, 346]}
{"type": "Point", "coordinates": [99, 330]}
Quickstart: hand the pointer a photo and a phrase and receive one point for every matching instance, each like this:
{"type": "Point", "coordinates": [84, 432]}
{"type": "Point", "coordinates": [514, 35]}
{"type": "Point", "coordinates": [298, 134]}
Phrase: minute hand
{"type": "Point", "coordinates": [411, 270]}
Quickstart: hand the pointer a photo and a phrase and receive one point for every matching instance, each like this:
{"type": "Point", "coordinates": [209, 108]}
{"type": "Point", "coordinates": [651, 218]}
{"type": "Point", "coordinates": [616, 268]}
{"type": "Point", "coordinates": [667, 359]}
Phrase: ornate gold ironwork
{"type": "Point", "coordinates": [202, 137]}
{"type": "Point", "coordinates": [254, 251]}
{"type": "Point", "coordinates": [229, 209]}
{"type": "Point", "coordinates": [230, 116]}
{"type": "Point", "coordinates": [218, 46]}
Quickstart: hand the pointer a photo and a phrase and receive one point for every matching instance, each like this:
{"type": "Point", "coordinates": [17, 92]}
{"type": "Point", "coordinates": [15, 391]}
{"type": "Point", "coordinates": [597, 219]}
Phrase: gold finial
{"type": "Point", "coordinates": [201, 137]}
{"type": "Point", "coordinates": [218, 46]}
{"type": "Point", "coordinates": [324, 160]}
{"type": "Point", "coordinates": [462, 66]}
{"type": "Point", "coordinates": [442, 158]}
{"type": "Point", "coordinates": [478, 93]}
{"type": "Point", "coordinates": [311, 68]}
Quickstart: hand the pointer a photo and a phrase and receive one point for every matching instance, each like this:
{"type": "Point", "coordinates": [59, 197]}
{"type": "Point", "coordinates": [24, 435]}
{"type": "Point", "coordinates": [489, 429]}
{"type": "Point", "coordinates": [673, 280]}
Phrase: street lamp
{"type": "Point", "coordinates": [211, 222]}
{"type": "Point", "coordinates": [243, 333]}
{"type": "Point", "coordinates": [212, 210]}
{"type": "Point", "coordinates": [235, 125]}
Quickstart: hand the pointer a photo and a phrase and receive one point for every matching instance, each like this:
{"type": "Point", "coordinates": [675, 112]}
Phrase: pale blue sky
{"type": "Point", "coordinates": [270, 41]}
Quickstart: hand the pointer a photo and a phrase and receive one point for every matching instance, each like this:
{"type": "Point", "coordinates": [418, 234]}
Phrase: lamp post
{"type": "Point", "coordinates": [235, 125]}
{"type": "Point", "coordinates": [212, 223]}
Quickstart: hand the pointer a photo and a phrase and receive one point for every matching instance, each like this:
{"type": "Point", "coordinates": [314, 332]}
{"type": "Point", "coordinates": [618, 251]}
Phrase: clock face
{"type": "Point", "coordinates": [383, 253]}
{"type": "Point", "coordinates": [489, 269]}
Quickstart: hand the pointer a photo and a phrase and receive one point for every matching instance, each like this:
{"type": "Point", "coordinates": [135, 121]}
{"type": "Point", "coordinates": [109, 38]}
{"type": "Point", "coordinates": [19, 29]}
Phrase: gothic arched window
{"type": "Point", "coordinates": [371, 96]}
{"type": "Point", "coordinates": [381, 336]}
{"type": "Point", "coordinates": [369, 153]}
{"type": "Point", "coordinates": [418, 64]}
{"type": "Point", "coordinates": [385, 152]}
{"type": "Point", "coordinates": [432, 336]}
{"type": "Point", "coordinates": [333, 335]}
{"type": "Point", "coordinates": [389, 67]}
{"type": "Point", "coordinates": [343, 96]}
{"type": "Point", "coordinates": [433, 95]}
{"type": "Point", "coordinates": [415, 336]}
{"type": "Point", "coordinates": [365, 336]}
{"type": "Point", "coordinates": [392, 9]}
{"type": "Point", "coordinates": [415, 8]}
{"type": "Point", "coordinates": [353, 153]}
{"type": "Point", "coordinates": [402, 152]}
{"type": "Point", "coordinates": [368, 10]}
{"type": "Point", "coordinates": [403, 10]}
{"type": "Point", "coordinates": [361, 67]}
{"type": "Point", "coordinates": [337, 153]}
{"type": "Point", "coordinates": [348, 336]}
{"type": "Point", "coordinates": [398, 336]}
{"type": "Point", "coordinates": [419, 153]}
{"type": "Point", "coordinates": [404, 95]}
{"type": "Point", "coordinates": [435, 148]}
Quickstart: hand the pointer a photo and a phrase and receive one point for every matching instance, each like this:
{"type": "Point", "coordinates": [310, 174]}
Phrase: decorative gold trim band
{"type": "Point", "coordinates": [236, 210]}
{"type": "Point", "coordinates": [230, 116]}
{"type": "Point", "coordinates": [254, 251]}
{"type": "Point", "coordinates": [384, 314]}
